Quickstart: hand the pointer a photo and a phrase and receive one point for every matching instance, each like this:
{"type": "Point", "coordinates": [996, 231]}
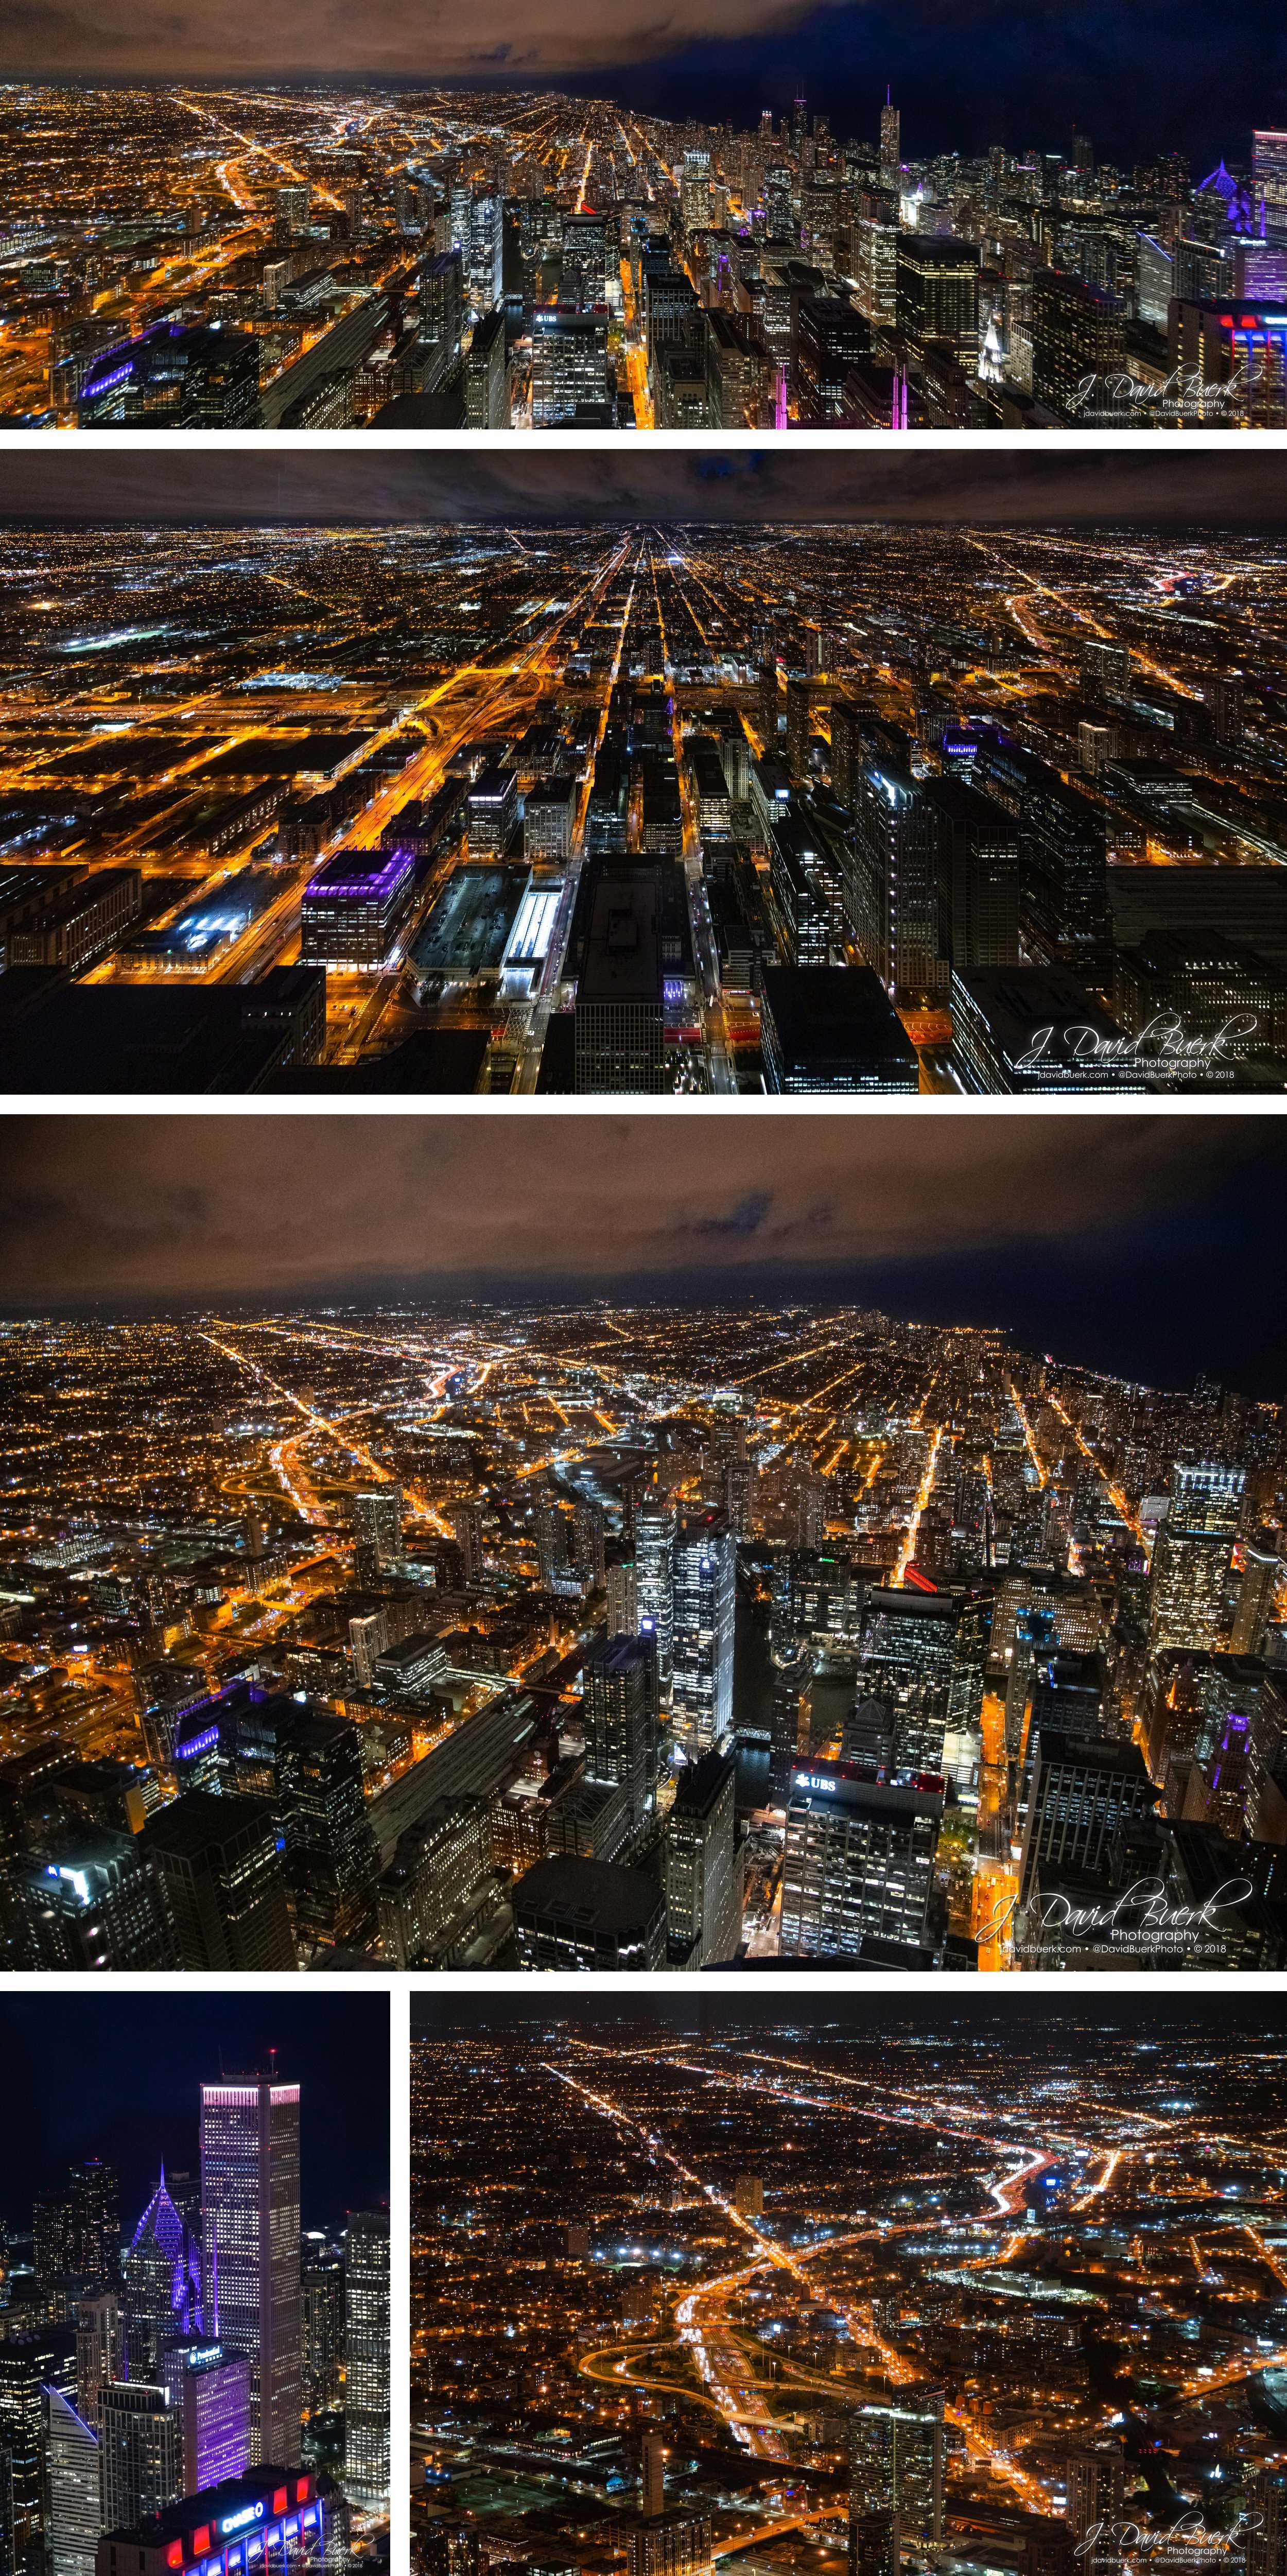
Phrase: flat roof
{"type": "Point", "coordinates": [834, 1011]}
{"type": "Point", "coordinates": [599, 1895]}
{"type": "Point", "coordinates": [623, 951]}
{"type": "Point", "coordinates": [470, 925]}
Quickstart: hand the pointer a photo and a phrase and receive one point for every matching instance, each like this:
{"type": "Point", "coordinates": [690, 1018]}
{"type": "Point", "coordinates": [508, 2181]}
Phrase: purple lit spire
{"type": "Point", "coordinates": [163, 2230]}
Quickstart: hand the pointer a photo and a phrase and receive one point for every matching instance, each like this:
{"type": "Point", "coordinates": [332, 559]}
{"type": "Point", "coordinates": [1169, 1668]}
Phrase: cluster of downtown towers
{"type": "Point", "coordinates": [182, 2361]}
{"type": "Point", "coordinates": [596, 1815]}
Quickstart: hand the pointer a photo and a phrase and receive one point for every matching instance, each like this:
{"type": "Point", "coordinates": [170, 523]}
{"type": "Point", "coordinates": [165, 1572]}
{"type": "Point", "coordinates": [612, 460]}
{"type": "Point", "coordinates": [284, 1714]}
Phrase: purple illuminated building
{"type": "Point", "coordinates": [163, 2279]}
{"type": "Point", "coordinates": [354, 908]}
{"type": "Point", "coordinates": [210, 2387]}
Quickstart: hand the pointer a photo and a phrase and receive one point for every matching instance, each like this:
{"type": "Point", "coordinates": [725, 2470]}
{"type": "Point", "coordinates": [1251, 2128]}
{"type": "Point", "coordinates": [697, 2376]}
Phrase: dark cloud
{"type": "Point", "coordinates": [220, 1204]}
{"type": "Point", "coordinates": [367, 483]}
{"type": "Point", "coordinates": [419, 39]}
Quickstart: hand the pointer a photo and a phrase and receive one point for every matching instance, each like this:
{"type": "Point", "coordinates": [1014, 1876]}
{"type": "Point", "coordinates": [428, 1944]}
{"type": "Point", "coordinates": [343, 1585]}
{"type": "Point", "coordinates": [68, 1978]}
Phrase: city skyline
{"type": "Point", "coordinates": [734, 60]}
{"type": "Point", "coordinates": [345, 2152]}
{"type": "Point", "coordinates": [282, 255]}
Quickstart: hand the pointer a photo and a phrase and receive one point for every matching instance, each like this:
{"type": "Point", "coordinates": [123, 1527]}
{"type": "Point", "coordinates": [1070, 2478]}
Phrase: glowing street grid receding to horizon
{"type": "Point", "coordinates": [945, 2292]}
{"type": "Point", "coordinates": [610, 1638]}
{"type": "Point", "coordinates": [644, 809]}
{"type": "Point", "coordinates": [293, 256]}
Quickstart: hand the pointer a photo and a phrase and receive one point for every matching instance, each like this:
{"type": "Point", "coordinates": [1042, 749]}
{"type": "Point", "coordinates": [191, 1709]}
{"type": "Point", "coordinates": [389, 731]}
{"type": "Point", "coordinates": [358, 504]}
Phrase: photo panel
{"type": "Point", "coordinates": [761, 219]}
{"type": "Point", "coordinates": [827, 1543]}
{"type": "Point", "coordinates": [676, 777]}
{"type": "Point", "coordinates": [195, 2341]}
{"type": "Point", "coordinates": [847, 2282]}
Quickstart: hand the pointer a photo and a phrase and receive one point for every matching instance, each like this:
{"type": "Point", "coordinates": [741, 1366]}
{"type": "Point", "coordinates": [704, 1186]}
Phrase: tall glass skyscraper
{"type": "Point", "coordinates": [250, 2248]}
{"type": "Point", "coordinates": [654, 1578]}
{"type": "Point", "coordinates": [705, 1600]}
{"type": "Point", "coordinates": [140, 2452]}
{"type": "Point", "coordinates": [366, 2361]}
{"type": "Point", "coordinates": [72, 2493]}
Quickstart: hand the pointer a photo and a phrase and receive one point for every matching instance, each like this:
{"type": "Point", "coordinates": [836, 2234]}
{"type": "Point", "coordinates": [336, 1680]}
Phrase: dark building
{"type": "Point", "coordinates": [1081, 1791]}
{"type": "Point", "coordinates": [487, 375]}
{"type": "Point", "coordinates": [620, 1013]}
{"type": "Point", "coordinates": [832, 1028]}
{"type": "Point", "coordinates": [1031, 1029]}
{"type": "Point", "coordinates": [831, 337]}
{"type": "Point", "coordinates": [703, 1866]}
{"type": "Point", "coordinates": [977, 850]}
{"type": "Point", "coordinates": [891, 888]}
{"type": "Point", "coordinates": [95, 1906]}
{"type": "Point", "coordinates": [588, 1915]}
{"type": "Point", "coordinates": [1212, 988]}
{"type": "Point", "coordinates": [175, 377]}
{"type": "Point", "coordinates": [152, 1036]}
{"type": "Point", "coordinates": [621, 1713]}
{"type": "Point", "coordinates": [332, 1859]}
{"type": "Point", "coordinates": [1076, 345]}
{"type": "Point", "coordinates": [223, 1889]}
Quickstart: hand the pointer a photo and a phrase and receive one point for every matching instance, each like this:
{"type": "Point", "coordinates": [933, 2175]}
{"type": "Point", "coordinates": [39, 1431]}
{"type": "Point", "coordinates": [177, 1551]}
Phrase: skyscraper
{"type": "Point", "coordinates": [890, 143]}
{"type": "Point", "coordinates": [100, 2349]}
{"type": "Point", "coordinates": [466, 1521]}
{"type": "Point", "coordinates": [162, 2292]}
{"type": "Point", "coordinates": [222, 1885]}
{"type": "Point", "coordinates": [140, 2452]}
{"type": "Point", "coordinates": [1082, 1792]}
{"type": "Point", "coordinates": [704, 1603]}
{"type": "Point", "coordinates": [366, 2360]}
{"type": "Point", "coordinates": [73, 2504]}
{"type": "Point", "coordinates": [1193, 1555]}
{"type": "Point", "coordinates": [702, 1864]}
{"type": "Point", "coordinates": [1262, 1569]}
{"type": "Point", "coordinates": [891, 880]}
{"type": "Point", "coordinates": [94, 2220]}
{"type": "Point", "coordinates": [211, 2389]}
{"type": "Point", "coordinates": [655, 1580]}
{"type": "Point", "coordinates": [622, 1716]}
{"type": "Point", "coordinates": [377, 1530]}
{"type": "Point", "coordinates": [896, 2466]}
{"type": "Point", "coordinates": [332, 1858]}
{"type": "Point", "coordinates": [1096, 2482]}
{"type": "Point", "coordinates": [859, 1861]}
{"type": "Point", "coordinates": [250, 2248]}
{"type": "Point", "coordinates": [322, 2321]}
{"type": "Point", "coordinates": [29, 2363]}
{"type": "Point", "coordinates": [652, 2481]}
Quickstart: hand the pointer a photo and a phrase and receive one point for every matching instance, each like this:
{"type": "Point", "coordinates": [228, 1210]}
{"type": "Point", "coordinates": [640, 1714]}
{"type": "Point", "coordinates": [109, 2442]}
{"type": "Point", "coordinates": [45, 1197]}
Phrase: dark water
{"type": "Point", "coordinates": [752, 1700]}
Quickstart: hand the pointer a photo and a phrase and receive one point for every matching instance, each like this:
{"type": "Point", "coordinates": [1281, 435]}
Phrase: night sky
{"type": "Point", "coordinates": [1248, 2018]}
{"type": "Point", "coordinates": [117, 2075]}
{"type": "Point", "coordinates": [1154, 1246]}
{"type": "Point", "coordinates": [1138, 75]}
{"type": "Point", "coordinates": [1171, 484]}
